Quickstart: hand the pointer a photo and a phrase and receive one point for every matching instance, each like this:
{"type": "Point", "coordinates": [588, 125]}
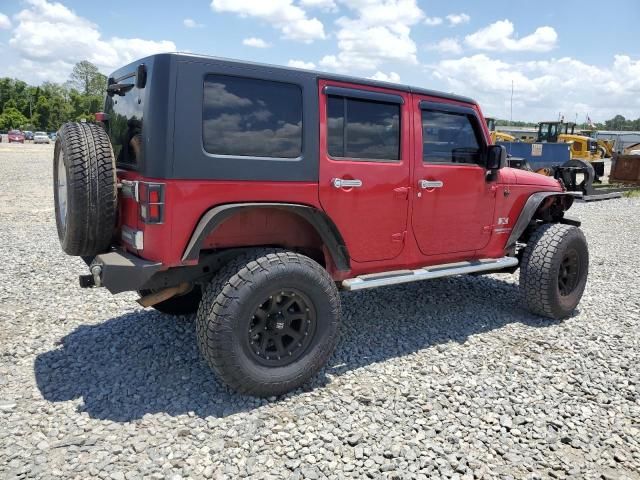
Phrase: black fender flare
{"type": "Point", "coordinates": [327, 230]}
{"type": "Point", "coordinates": [529, 210]}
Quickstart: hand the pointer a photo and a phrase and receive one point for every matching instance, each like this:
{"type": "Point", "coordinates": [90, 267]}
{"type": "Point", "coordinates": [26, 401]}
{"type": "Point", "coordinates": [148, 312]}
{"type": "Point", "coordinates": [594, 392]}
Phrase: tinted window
{"type": "Point", "coordinates": [449, 138]}
{"type": "Point", "coordinates": [249, 117]}
{"type": "Point", "coordinates": [125, 123]}
{"type": "Point", "coordinates": [371, 129]}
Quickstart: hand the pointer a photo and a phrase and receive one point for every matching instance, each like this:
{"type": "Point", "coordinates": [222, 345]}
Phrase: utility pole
{"type": "Point", "coordinates": [511, 115]}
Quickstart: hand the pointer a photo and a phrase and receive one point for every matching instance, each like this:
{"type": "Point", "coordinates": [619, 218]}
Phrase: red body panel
{"type": "Point", "coordinates": [387, 224]}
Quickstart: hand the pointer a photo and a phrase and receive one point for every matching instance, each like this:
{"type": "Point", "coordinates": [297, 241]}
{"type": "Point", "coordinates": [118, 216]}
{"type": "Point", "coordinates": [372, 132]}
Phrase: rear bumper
{"type": "Point", "coordinates": [122, 271]}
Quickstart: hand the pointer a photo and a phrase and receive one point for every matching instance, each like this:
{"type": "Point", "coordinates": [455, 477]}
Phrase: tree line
{"type": "Point", "coordinates": [47, 106]}
{"type": "Point", "coordinates": [616, 123]}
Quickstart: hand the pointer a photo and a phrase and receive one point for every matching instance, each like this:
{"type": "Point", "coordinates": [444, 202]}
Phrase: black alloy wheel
{"type": "Point", "coordinates": [281, 328]}
{"type": "Point", "coordinates": [569, 272]}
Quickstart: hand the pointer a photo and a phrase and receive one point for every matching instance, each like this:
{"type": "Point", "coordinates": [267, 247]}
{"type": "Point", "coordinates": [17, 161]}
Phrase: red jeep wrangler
{"type": "Point", "coordinates": [251, 194]}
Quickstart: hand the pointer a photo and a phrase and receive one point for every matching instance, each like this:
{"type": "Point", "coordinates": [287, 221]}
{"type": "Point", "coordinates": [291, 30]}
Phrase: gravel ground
{"type": "Point", "coordinates": [447, 379]}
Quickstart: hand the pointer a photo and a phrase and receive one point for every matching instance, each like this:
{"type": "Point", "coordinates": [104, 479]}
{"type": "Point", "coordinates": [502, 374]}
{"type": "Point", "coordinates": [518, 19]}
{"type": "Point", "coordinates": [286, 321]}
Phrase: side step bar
{"type": "Point", "coordinates": [427, 273]}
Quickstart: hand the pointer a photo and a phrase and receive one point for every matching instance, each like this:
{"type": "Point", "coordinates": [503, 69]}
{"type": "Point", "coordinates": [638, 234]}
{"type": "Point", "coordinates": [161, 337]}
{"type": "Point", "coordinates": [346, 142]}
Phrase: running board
{"type": "Point", "coordinates": [427, 273]}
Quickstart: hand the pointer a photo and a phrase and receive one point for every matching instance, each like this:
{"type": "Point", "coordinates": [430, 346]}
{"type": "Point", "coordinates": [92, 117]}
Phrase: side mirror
{"type": "Point", "coordinates": [496, 157]}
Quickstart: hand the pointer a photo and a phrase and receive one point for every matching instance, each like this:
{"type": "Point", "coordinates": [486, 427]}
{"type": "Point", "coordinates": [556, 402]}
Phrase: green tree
{"type": "Point", "coordinates": [12, 118]}
{"type": "Point", "coordinates": [87, 78]}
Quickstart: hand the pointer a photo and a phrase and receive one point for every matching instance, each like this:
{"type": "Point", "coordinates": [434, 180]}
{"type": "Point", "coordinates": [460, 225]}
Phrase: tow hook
{"type": "Point", "coordinates": [92, 280]}
{"type": "Point", "coordinates": [96, 271]}
{"type": "Point", "coordinates": [162, 295]}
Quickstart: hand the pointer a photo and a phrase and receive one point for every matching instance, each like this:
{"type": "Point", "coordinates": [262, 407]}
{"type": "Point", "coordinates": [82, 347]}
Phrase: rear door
{"type": "Point", "coordinates": [453, 201]}
{"type": "Point", "coordinates": [364, 167]}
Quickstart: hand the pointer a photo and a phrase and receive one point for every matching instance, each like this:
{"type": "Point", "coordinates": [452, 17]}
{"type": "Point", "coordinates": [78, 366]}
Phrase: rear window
{"type": "Point", "coordinates": [247, 117]}
{"type": "Point", "coordinates": [125, 122]}
{"type": "Point", "coordinates": [363, 129]}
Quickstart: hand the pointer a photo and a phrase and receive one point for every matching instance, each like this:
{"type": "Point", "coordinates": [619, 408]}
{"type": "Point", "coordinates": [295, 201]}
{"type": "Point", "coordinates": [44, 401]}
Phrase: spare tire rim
{"type": "Point", "coordinates": [281, 328]}
{"type": "Point", "coordinates": [569, 272]}
{"type": "Point", "coordinates": [62, 190]}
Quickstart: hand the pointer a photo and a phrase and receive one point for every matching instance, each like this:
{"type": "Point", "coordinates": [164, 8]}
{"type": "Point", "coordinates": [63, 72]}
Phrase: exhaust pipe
{"type": "Point", "coordinates": [157, 297]}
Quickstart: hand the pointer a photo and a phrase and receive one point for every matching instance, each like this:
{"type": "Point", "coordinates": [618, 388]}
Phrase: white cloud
{"type": "Point", "coordinates": [544, 88]}
{"type": "Point", "coordinates": [290, 19]}
{"type": "Point", "coordinates": [5, 23]}
{"type": "Point", "coordinates": [433, 21]}
{"type": "Point", "coordinates": [383, 77]}
{"type": "Point", "coordinates": [191, 23]}
{"type": "Point", "coordinates": [458, 19]}
{"type": "Point", "coordinates": [255, 42]}
{"type": "Point", "coordinates": [329, 5]}
{"type": "Point", "coordinates": [301, 64]}
{"type": "Point", "coordinates": [379, 33]}
{"type": "Point", "coordinates": [446, 45]}
{"type": "Point", "coordinates": [500, 36]}
{"type": "Point", "coordinates": [50, 38]}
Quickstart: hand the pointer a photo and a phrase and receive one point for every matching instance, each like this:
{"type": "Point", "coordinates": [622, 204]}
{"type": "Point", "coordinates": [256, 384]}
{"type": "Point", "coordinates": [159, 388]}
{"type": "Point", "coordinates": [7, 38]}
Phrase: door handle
{"type": "Point", "coordinates": [344, 183]}
{"type": "Point", "coordinates": [429, 184]}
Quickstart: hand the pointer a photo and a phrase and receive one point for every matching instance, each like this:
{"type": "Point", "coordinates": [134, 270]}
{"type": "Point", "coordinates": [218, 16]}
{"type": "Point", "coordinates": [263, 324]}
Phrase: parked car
{"type": "Point", "coordinates": [41, 137]}
{"type": "Point", "coordinates": [284, 186]}
{"type": "Point", "coordinates": [15, 136]}
{"type": "Point", "coordinates": [28, 135]}
{"type": "Point", "coordinates": [52, 136]}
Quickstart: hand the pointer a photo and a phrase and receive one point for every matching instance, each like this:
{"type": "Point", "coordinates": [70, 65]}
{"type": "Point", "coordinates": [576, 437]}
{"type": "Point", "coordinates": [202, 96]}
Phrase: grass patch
{"type": "Point", "coordinates": [635, 193]}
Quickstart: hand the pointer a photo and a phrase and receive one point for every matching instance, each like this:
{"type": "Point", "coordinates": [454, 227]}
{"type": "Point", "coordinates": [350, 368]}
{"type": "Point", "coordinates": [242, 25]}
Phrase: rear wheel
{"type": "Point", "coordinates": [268, 322]}
{"type": "Point", "coordinates": [553, 271]}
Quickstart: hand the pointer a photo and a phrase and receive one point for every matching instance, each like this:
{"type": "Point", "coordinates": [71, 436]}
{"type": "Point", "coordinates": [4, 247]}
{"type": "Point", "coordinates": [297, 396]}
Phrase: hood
{"type": "Point", "coordinates": [524, 177]}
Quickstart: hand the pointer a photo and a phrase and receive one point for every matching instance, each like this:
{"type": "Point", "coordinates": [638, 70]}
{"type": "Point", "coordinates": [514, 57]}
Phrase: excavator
{"type": "Point", "coordinates": [497, 136]}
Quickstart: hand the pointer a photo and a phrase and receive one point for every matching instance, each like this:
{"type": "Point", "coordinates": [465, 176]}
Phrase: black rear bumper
{"type": "Point", "coordinates": [119, 272]}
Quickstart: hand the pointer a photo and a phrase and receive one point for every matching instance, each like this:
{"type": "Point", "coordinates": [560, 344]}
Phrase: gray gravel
{"type": "Point", "coordinates": [448, 379]}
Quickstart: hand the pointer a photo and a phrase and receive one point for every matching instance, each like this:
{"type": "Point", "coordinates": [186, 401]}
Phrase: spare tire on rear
{"type": "Point", "coordinates": [84, 189]}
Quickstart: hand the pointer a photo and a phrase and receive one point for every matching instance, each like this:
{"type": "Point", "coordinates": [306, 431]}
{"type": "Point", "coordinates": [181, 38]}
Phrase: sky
{"type": "Point", "coordinates": [569, 57]}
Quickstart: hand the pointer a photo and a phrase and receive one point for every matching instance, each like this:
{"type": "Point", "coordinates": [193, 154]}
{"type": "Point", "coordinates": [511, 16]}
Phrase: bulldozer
{"type": "Point", "coordinates": [583, 148]}
{"type": "Point", "coordinates": [497, 136]}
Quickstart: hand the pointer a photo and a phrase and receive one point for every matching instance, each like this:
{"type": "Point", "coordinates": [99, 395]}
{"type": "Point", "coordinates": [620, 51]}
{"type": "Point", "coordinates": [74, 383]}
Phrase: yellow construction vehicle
{"type": "Point", "coordinates": [497, 136]}
{"type": "Point", "coordinates": [605, 147]}
{"type": "Point", "coordinates": [582, 147]}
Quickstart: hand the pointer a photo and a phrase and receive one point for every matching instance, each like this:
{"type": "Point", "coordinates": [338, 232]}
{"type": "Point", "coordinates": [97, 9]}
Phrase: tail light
{"type": "Point", "coordinates": [151, 201]}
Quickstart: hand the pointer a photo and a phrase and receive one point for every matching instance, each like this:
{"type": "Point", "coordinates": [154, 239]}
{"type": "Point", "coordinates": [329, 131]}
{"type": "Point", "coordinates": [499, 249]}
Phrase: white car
{"type": "Point", "coordinates": [41, 137]}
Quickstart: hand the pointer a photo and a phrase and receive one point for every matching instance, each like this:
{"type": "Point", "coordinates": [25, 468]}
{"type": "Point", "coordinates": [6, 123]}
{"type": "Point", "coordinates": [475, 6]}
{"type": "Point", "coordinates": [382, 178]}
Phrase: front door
{"type": "Point", "coordinates": [453, 202]}
{"type": "Point", "coordinates": [364, 167]}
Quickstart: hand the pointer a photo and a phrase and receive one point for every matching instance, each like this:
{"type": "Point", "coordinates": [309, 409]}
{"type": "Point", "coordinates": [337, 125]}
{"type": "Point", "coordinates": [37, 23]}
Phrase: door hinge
{"type": "Point", "coordinates": [398, 237]}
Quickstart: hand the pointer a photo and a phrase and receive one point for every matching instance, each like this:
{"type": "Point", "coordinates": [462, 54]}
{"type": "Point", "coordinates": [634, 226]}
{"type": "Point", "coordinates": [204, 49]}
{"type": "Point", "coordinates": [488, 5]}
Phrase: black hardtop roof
{"type": "Point", "coordinates": [180, 56]}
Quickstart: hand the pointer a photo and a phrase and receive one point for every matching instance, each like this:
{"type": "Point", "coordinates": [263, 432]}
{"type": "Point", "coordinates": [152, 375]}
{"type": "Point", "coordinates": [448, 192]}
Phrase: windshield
{"type": "Point", "coordinates": [40, 134]}
{"type": "Point", "coordinates": [15, 132]}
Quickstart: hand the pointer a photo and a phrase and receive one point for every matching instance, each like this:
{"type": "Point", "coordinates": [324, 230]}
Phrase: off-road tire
{"type": "Point", "coordinates": [185, 304]}
{"type": "Point", "coordinates": [91, 190]}
{"type": "Point", "coordinates": [225, 315]}
{"type": "Point", "coordinates": [540, 269]}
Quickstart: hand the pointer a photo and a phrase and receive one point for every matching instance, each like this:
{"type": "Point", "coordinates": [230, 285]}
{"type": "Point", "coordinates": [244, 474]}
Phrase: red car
{"type": "Point", "coordinates": [251, 194]}
{"type": "Point", "coordinates": [16, 136]}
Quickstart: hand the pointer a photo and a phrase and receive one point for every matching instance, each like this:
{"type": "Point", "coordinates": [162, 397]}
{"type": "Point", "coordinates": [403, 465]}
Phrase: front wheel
{"type": "Point", "coordinates": [268, 322]}
{"type": "Point", "coordinates": [553, 271]}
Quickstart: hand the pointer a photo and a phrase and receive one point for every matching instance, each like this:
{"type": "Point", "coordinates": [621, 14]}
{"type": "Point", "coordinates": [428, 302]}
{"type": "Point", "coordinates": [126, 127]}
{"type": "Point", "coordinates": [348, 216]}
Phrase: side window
{"type": "Point", "coordinates": [449, 137]}
{"type": "Point", "coordinates": [248, 117]}
{"type": "Point", "coordinates": [363, 129]}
